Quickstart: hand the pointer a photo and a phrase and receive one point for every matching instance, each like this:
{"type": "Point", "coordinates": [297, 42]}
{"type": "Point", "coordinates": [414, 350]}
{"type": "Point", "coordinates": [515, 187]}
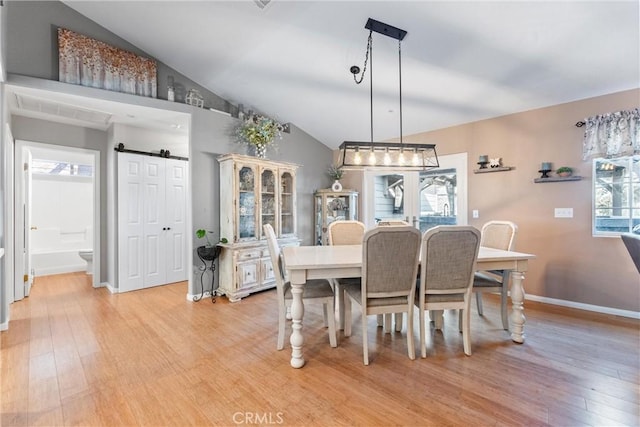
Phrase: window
{"type": "Point", "coordinates": [616, 196]}
{"type": "Point", "coordinates": [54, 167]}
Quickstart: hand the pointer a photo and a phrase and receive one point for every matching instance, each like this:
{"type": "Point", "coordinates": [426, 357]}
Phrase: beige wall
{"type": "Point", "coordinates": [571, 265]}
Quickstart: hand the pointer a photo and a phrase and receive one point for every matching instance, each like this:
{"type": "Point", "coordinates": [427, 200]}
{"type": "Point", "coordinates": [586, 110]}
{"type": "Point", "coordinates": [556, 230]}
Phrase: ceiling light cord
{"type": "Point", "coordinates": [355, 69]}
{"type": "Point", "coordinates": [400, 85]}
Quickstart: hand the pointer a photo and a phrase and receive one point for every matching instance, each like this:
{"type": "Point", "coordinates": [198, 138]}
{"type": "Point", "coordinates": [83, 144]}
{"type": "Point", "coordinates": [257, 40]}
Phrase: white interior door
{"type": "Point", "coordinates": [21, 269]}
{"type": "Point", "coordinates": [130, 222]}
{"type": "Point", "coordinates": [154, 226]}
{"type": "Point", "coordinates": [28, 226]}
{"type": "Point", "coordinates": [176, 220]}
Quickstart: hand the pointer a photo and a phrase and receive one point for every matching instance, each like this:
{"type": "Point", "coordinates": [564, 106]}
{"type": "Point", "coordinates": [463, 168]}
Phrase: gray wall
{"type": "Point", "coordinates": [32, 51]}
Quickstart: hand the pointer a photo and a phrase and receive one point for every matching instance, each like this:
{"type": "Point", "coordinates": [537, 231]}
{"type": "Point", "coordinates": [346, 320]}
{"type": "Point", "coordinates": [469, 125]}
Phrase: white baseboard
{"type": "Point", "coordinates": [110, 287]}
{"type": "Point", "coordinates": [4, 326]}
{"type": "Point", "coordinates": [587, 307]}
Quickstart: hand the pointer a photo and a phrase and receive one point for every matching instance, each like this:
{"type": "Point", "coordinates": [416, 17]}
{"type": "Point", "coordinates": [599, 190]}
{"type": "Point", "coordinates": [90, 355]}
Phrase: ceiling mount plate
{"type": "Point", "coordinates": [385, 29]}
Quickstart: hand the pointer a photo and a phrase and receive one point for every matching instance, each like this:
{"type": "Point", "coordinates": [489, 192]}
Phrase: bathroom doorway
{"type": "Point", "coordinates": [57, 212]}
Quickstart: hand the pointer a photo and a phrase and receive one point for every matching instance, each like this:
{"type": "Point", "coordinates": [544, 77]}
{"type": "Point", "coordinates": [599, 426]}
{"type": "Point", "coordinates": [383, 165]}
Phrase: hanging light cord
{"type": "Point", "coordinates": [368, 59]}
{"type": "Point", "coordinates": [355, 69]}
{"type": "Point", "coordinates": [400, 79]}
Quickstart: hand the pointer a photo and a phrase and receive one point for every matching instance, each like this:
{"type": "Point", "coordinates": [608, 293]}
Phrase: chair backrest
{"type": "Point", "coordinates": [499, 235]}
{"type": "Point", "coordinates": [276, 258]}
{"type": "Point", "coordinates": [449, 254]}
{"type": "Point", "coordinates": [390, 257]}
{"type": "Point", "coordinates": [346, 232]}
{"type": "Point", "coordinates": [632, 242]}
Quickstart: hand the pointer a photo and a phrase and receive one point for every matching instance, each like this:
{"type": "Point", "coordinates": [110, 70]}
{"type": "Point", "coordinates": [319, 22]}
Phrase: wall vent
{"type": "Point", "coordinates": [58, 109]}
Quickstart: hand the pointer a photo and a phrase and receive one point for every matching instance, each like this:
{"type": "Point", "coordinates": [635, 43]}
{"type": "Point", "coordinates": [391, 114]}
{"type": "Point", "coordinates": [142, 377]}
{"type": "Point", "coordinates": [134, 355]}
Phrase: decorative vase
{"type": "Point", "coordinates": [260, 151]}
{"type": "Point", "coordinates": [336, 186]}
{"type": "Point", "coordinates": [564, 174]}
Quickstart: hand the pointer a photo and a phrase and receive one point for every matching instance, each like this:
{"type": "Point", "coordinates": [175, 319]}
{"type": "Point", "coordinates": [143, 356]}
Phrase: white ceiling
{"type": "Point", "coordinates": [461, 61]}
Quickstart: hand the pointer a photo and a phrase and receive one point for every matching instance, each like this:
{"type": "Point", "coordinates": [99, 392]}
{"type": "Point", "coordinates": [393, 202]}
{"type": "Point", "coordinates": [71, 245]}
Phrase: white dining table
{"type": "Point", "coordinates": [333, 262]}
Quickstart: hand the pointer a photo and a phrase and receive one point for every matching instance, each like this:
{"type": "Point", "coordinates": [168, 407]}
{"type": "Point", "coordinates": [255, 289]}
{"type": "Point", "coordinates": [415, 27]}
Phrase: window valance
{"type": "Point", "coordinates": [612, 135]}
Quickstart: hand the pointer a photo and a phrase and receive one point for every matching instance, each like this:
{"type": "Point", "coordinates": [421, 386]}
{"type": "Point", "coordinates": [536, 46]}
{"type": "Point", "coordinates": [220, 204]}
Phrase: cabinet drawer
{"type": "Point", "coordinates": [247, 255]}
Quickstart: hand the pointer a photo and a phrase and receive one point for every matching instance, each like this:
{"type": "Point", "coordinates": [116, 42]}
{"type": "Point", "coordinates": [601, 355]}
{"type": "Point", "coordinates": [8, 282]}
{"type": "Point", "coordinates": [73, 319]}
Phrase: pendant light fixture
{"type": "Point", "coordinates": [372, 154]}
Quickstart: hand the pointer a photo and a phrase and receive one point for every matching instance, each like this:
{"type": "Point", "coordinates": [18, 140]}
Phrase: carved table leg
{"type": "Point", "coordinates": [297, 312]}
{"type": "Point", "coordinates": [517, 301]}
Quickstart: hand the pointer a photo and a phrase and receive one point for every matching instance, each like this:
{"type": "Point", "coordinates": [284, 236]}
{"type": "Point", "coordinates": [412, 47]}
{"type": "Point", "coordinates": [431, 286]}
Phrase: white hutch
{"type": "Point", "coordinates": [253, 192]}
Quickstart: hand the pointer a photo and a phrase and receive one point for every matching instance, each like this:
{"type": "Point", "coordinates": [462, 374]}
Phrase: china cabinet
{"type": "Point", "coordinates": [253, 192]}
{"type": "Point", "coordinates": [331, 206]}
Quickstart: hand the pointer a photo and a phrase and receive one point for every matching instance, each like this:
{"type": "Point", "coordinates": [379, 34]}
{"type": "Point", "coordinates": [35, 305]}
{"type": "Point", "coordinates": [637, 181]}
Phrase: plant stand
{"type": "Point", "coordinates": [208, 255]}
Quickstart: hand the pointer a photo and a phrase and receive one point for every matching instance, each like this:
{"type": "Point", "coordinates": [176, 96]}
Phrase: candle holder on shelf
{"type": "Point", "coordinates": [545, 168]}
{"type": "Point", "coordinates": [483, 161]}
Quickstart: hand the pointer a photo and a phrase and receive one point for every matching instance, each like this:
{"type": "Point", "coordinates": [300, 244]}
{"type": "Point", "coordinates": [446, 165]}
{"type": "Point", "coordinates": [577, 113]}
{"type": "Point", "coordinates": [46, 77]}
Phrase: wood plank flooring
{"type": "Point", "coordinates": [75, 355]}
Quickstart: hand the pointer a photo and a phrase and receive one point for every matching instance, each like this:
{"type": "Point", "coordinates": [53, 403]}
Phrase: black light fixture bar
{"type": "Point", "coordinates": [364, 154]}
{"type": "Point", "coordinates": [386, 29]}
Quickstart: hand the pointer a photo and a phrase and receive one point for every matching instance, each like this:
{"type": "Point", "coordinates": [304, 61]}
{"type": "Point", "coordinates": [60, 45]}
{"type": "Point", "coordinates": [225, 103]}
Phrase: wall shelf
{"type": "Point", "coordinates": [557, 179]}
{"type": "Point", "coordinates": [500, 169]}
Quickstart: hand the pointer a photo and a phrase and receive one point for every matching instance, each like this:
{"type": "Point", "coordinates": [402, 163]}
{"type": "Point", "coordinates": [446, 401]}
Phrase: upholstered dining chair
{"type": "Point", "coordinates": [632, 243]}
{"type": "Point", "coordinates": [447, 267]}
{"type": "Point", "coordinates": [497, 235]}
{"type": "Point", "coordinates": [390, 257]}
{"type": "Point", "coordinates": [345, 232]}
{"type": "Point", "coordinates": [315, 290]}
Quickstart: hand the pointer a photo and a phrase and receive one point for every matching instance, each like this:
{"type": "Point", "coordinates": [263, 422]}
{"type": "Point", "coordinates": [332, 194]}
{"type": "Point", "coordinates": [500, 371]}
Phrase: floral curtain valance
{"type": "Point", "coordinates": [612, 135]}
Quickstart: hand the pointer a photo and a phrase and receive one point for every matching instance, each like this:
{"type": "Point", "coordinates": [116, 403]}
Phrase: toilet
{"type": "Point", "coordinates": [87, 255]}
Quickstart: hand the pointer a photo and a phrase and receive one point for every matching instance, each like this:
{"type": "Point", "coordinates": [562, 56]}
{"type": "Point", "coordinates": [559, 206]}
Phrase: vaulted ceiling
{"type": "Point", "coordinates": [461, 61]}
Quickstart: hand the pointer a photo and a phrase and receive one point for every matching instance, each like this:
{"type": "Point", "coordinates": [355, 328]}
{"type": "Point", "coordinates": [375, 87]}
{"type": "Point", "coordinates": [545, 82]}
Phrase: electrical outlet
{"type": "Point", "coordinates": [564, 213]}
{"type": "Point", "coordinates": [475, 213]}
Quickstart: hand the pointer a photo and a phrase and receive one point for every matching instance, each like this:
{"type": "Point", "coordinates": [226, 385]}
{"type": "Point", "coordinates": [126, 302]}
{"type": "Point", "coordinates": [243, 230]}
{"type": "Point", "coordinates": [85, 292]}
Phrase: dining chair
{"type": "Point", "coordinates": [497, 235]}
{"type": "Point", "coordinates": [447, 267]}
{"type": "Point", "coordinates": [632, 243]}
{"type": "Point", "coordinates": [386, 322]}
{"type": "Point", "coordinates": [390, 257]}
{"type": "Point", "coordinates": [345, 232]}
{"type": "Point", "coordinates": [315, 290]}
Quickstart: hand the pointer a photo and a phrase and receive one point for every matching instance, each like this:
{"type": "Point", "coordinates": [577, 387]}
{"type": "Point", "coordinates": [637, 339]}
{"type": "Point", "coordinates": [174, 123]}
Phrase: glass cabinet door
{"type": "Point", "coordinates": [287, 208]}
{"type": "Point", "coordinates": [319, 220]}
{"type": "Point", "coordinates": [246, 203]}
{"type": "Point", "coordinates": [268, 199]}
{"type": "Point", "coordinates": [337, 208]}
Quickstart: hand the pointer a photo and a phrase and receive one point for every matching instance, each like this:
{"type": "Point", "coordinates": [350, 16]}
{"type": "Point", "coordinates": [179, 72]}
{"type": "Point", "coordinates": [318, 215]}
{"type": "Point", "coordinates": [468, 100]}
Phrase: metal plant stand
{"type": "Point", "coordinates": [208, 254]}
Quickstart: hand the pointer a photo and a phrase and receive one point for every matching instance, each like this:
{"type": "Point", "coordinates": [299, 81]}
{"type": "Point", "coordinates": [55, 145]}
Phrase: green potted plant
{"type": "Point", "coordinates": [208, 251]}
{"type": "Point", "coordinates": [564, 171]}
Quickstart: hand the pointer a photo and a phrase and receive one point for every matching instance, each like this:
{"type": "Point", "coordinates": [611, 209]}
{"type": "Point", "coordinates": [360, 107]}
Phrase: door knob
{"type": "Point", "coordinates": [33, 227]}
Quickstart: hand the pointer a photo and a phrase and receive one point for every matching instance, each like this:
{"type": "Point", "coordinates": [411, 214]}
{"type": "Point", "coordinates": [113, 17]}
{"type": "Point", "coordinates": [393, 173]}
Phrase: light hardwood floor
{"type": "Point", "coordinates": [80, 356]}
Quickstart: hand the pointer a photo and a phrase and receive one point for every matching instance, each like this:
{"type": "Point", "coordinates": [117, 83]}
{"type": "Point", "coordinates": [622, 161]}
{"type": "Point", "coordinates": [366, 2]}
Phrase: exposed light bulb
{"type": "Point", "coordinates": [401, 160]}
{"type": "Point", "coordinates": [372, 158]}
{"type": "Point", "coordinates": [387, 158]}
{"type": "Point", "coordinates": [416, 159]}
{"type": "Point", "coordinates": [357, 159]}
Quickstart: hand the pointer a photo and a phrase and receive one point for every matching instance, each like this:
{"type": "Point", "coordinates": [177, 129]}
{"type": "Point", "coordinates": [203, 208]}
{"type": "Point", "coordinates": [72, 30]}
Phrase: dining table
{"type": "Point", "coordinates": [333, 262]}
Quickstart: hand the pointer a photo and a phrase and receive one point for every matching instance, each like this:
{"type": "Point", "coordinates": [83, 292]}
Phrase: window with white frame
{"type": "Point", "coordinates": [616, 195]}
